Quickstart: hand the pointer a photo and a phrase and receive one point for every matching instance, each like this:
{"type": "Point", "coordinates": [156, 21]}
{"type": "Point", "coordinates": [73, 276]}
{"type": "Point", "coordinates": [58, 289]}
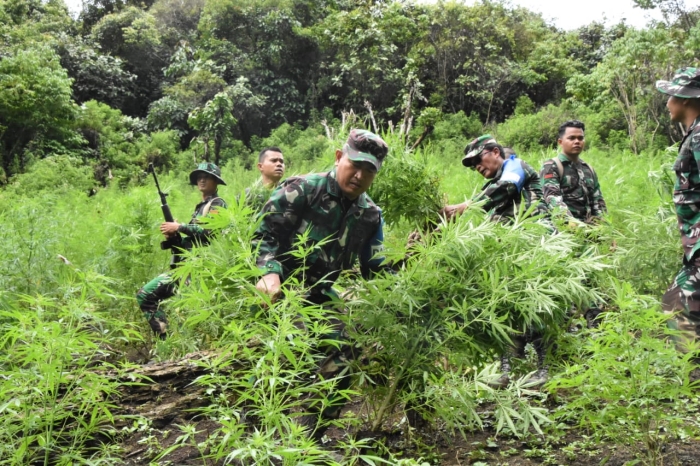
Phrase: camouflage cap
{"type": "Point", "coordinates": [209, 168]}
{"type": "Point", "coordinates": [475, 148]}
{"type": "Point", "coordinates": [365, 146]}
{"type": "Point", "coordinates": [685, 84]}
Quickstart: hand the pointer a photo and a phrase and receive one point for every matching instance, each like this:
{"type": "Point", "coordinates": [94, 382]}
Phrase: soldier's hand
{"type": "Point", "coordinates": [452, 211]}
{"type": "Point", "coordinates": [169, 228]}
{"type": "Point", "coordinates": [270, 285]}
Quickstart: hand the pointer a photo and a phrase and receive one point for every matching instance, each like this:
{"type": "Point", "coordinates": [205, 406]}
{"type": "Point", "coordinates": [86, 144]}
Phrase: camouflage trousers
{"type": "Point", "coordinates": [682, 303]}
{"type": "Point", "coordinates": [334, 360]}
{"type": "Point", "coordinates": [149, 297]}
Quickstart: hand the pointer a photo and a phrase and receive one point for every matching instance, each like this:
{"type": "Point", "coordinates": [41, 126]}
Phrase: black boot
{"type": "Point", "coordinates": [540, 377]}
{"type": "Point", "coordinates": [504, 379]}
{"type": "Point", "coordinates": [593, 317]}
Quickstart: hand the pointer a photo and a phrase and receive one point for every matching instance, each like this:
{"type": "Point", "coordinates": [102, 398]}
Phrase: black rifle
{"type": "Point", "coordinates": [174, 243]}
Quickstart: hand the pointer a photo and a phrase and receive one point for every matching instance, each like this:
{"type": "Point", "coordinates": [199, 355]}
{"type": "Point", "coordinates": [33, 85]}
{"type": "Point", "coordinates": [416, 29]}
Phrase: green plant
{"type": "Point", "coordinates": [625, 376]}
{"type": "Point", "coordinates": [54, 403]}
{"type": "Point", "coordinates": [437, 313]}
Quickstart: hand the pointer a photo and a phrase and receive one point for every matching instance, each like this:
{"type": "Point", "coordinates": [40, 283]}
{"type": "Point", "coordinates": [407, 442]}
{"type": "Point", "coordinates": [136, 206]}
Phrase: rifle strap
{"type": "Point", "coordinates": [560, 168]}
{"type": "Point", "coordinates": [207, 207]}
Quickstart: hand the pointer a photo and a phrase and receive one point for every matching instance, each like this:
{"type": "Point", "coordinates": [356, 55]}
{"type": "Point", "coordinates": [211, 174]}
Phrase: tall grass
{"type": "Point", "coordinates": [429, 332]}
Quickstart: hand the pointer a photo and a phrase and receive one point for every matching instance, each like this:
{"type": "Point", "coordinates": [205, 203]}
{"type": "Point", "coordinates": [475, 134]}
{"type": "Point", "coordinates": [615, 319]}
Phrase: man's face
{"type": "Point", "coordinates": [489, 164]}
{"type": "Point", "coordinates": [206, 184]}
{"type": "Point", "coordinates": [272, 166]}
{"type": "Point", "coordinates": [676, 109]}
{"type": "Point", "coordinates": [572, 142]}
{"type": "Point", "coordinates": [354, 178]}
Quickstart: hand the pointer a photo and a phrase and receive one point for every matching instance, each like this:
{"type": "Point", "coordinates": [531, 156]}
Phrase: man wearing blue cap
{"type": "Point", "coordinates": [207, 178]}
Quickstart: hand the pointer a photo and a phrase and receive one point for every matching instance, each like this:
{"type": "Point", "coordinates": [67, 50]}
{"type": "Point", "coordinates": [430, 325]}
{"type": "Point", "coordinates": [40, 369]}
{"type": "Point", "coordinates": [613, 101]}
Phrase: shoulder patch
{"type": "Point", "coordinates": [549, 175]}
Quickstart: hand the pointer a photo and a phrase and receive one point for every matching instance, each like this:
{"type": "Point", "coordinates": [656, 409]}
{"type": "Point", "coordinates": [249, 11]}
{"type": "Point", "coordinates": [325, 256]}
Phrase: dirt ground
{"type": "Point", "coordinates": [434, 446]}
{"type": "Point", "coordinates": [170, 400]}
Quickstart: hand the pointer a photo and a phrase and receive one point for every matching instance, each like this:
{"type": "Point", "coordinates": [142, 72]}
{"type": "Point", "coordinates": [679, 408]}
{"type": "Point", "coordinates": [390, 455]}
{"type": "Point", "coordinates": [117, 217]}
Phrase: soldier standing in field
{"type": "Point", "coordinates": [570, 186]}
{"type": "Point", "coordinates": [511, 180]}
{"type": "Point", "coordinates": [684, 293]}
{"type": "Point", "coordinates": [271, 167]}
{"type": "Point", "coordinates": [571, 189]}
{"type": "Point", "coordinates": [321, 206]}
{"type": "Point", "coordinates": [207, 178]}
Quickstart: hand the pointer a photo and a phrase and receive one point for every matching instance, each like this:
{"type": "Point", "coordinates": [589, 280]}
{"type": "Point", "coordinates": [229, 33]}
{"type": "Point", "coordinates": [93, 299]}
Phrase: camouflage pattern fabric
{"type": "Point", "coordinates": [195, 235]}
{"type": "Point", "coordinates": [360, 138]}
{"type": "Point", "coordinates": [682, 303]}
{"type": "Point", "coordinates": [503, 198]}
{"type": "Point", "coordinates": [150, 295]}
{"type": "Point", "coordinates": [163, 286]}
{"type": "Point", "coordinates": [684, 294]}
{"type": "Point", "coordinates": [475, 148]}
{"type": "Point", "coordinates": [335, 358]}
{"type": "Point", "coordinates": [208, 168]}
{"type": "Point", "coordinates": [686, 191]}
{"type": "Point", "coordinates": [340, 231]}
{"type": "Point", "coordinates": [685, 84]}
{"type": "Point", "coordinates": [576, 194]}
{"type": "Point", "coordinates": [257, 195]}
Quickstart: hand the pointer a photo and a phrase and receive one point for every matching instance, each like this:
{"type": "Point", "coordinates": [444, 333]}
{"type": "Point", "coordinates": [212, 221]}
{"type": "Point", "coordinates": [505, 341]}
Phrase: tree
{"type": "Point", "coordinates": [672, 10]}
{"type": "Point", "coordinates": [132, 35]}
{"type": "Point", "coordinates": [95, 76]}
{"type": "Point", "coordinates": [627, 75]}
{"type": "Point", "coordinates": [366, 56]}
{"type": "Point", "coordinates": [263, 42]}
{"type": "Point", "coordinates": [214, 122]}
{"type": "Point", "coordinates": [36, 110]}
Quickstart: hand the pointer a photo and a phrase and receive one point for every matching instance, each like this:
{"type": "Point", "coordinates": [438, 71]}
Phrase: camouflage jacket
{"type": "Point", "coordinates": [686, 192]}
{"type": "Point", "coordinates": [195, 235]}
{"type": "Point", "coordinates": [503, 197]}
{"type": "Point", "coordinates": [577, 193]}
{"type": "Point", "coordinates": [338, 231]}
{"type": "Point", "coordinates": [257, 194]}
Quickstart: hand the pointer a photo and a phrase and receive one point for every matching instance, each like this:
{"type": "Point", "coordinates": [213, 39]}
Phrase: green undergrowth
{"type": "Point", "coordinates": [426, 337]}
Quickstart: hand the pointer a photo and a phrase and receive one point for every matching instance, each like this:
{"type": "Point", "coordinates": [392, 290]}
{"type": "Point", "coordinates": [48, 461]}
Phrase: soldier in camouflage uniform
{"type": "Point", "coordinates": [271, 167]}
{"type": "Point", "coordinates": [510, 181]}
{"type": "Point", "coordinates": [570, 185]}
{"type": "Point", "coordinates": [206, 177]}
{"type": "Point", "coordinates": [684, 294]}
{"type": "Point", "coordinates": [571, 189]}
{"type": "Point", "coordinates": [334, 212]}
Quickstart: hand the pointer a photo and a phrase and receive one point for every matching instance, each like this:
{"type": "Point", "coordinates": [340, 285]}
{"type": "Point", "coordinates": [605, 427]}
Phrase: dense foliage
{"type": "Point", "coordinates": [86, 104]}
{"type": "Point", "coordinates": [224, 74]}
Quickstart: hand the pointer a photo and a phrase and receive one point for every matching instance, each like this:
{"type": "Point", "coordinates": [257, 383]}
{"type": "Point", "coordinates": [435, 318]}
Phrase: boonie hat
{"type": "Point", "coordinates": [209, 168]}
{"type": "Point", "coordinates": [475, 148]}
{"type": "Point", "coordinates": [365, 146]}
{"type": "Point", "coordinates": [685, 84]}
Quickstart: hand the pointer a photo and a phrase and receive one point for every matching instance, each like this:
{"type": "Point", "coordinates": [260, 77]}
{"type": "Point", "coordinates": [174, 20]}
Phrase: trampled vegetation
{"type": "Point", "coordinates": [86, 104]}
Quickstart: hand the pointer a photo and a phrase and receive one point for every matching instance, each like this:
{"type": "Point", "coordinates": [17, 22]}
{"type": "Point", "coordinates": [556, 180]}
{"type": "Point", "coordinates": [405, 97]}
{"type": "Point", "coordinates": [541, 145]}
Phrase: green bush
{"type": "Point", "coordinates": [622, 381]}
{"type": "Point", "coordinates": [298, 145]}
{"type": "Point", "coordinates": [457, 126]}
{"type": "Point", "coordinates": [529, 132]}
{"type": "Point", "coordinates": [58, 174]}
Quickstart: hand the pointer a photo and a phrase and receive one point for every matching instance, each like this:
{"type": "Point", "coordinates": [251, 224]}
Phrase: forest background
{"type": "Point", "coordinates": [87, 103]}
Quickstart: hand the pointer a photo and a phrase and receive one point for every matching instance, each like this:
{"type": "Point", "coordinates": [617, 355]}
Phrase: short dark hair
{"type": "Point", "coordinates": [570, 124]}
{"type": "Point", "coordinates": [495, 145]}
{"type": "Point", "coordinates": [263, 153]}
{"type": "Point", "coordinates": [507, 152]}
